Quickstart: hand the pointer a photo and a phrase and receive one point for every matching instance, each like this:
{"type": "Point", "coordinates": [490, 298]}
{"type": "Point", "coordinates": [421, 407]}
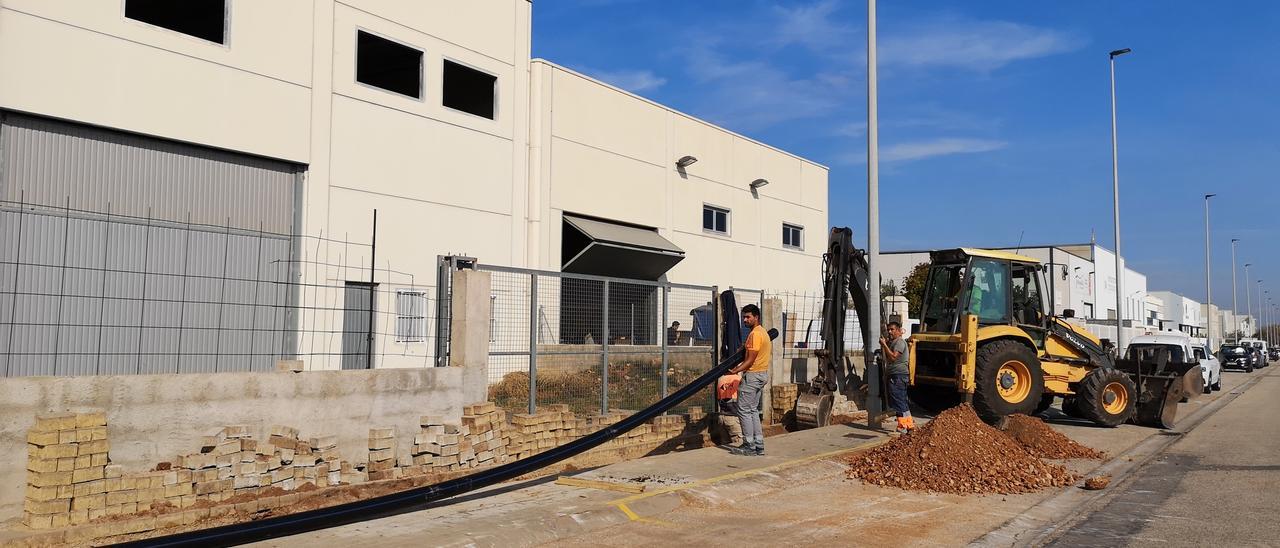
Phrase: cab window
{"type": "Point", "coordinates": [1027, 303]}
{"type": "Point", "coordinates": [989, 291]}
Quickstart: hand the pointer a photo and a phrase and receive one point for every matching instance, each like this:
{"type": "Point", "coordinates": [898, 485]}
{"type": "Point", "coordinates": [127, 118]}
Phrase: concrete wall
{"type": "Point", "coordinates": [153, 418]}
{"type": "Point", "coordinates": [601, 151]}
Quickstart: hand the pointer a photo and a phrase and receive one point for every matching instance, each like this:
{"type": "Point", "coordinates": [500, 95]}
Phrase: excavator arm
{"type": "Point", "coordinates": [844, 279]}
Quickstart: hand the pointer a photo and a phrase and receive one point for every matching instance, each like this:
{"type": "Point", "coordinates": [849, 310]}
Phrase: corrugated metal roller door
{"type": "Point", "coordinates": [122, 253]}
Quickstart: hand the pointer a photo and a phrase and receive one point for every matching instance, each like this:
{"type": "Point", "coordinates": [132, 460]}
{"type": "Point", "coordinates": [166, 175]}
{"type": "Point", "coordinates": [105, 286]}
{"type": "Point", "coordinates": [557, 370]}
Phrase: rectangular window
{"type": "Point", "coordinates": [715, 219]}
{"type": "Point", "coordinates": [792, 236]}
{"type": "Point", "coordinates": [468, 89]}
{"type": "Point", "coordinates": [411, 316]}
{"type": "Point", "coordinates": [203, 19]}
{"type": "Point", "coordinates": [388, 65]}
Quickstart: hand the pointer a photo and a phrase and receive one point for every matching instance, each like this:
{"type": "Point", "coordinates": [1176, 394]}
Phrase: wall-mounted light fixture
{"type": "Point", "coordinates": [686, 161]}
{"type": "Point", "coordinates": [758, 183]}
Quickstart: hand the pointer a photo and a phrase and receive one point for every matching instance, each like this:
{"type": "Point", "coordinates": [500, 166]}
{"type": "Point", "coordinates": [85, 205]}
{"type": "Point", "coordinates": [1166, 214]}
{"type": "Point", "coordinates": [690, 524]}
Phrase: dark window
{"type": "Point", "coordinates": [204, 19]}
{"type": "Point", "coordinates": [389, 65]}
{"type": "Point", "coordinates": [715, 219]}
{"type": "Point", "coordinates": [792, 236]}
{"type": "Point", "coordinates": [468, 89]}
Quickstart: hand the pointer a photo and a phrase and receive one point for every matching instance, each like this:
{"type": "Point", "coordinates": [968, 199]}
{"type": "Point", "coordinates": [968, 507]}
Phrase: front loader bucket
{"type": "Point", "coordinates": [1161, 386]}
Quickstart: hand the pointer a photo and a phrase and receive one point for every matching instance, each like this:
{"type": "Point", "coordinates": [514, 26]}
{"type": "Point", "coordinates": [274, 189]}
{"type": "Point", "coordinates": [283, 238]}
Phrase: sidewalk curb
{"type": "Point", "coordinates": [1047, 519]}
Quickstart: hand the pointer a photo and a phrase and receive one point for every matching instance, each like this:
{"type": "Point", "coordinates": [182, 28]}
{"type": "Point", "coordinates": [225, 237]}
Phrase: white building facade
{"type": "Point", "coordinates": [433, 114]}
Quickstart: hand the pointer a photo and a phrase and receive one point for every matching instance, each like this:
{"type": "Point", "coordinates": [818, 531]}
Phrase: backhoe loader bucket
{"type": "Point", "coordinates": [1161, 386]}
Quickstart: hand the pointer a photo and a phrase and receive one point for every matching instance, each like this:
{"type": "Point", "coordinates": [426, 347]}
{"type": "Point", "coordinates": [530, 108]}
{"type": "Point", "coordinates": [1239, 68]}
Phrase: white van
{"type": "Point", "coordinates": [1182, 348]}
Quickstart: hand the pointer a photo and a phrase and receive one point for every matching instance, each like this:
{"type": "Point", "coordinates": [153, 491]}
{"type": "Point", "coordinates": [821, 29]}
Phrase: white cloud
{"type": "Point", "coordinates": [811, 25]}
{"type": "Point", "coordinates": [973, 45]}
{"type": "Point", "coordinates": [851, 129]}
{"type": "Point", "coordinates": [918, 150]}
{"type": "Point", "coordinates": [631, 80]}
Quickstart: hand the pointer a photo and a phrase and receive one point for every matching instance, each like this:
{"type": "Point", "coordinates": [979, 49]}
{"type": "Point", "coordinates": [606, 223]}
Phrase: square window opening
{"type": "Point", "coordinates": [715, 219]}
{"type": "Point", "coordinates": [388, 65]}
{"type": "Point", "coordinates": [411, 318]}
{"type": "Point", "coordinates": [203, 19]}
{"type": "Point", "coordinates": [469, 90]}
{"type": "Point", "coordinates": [792, 236]}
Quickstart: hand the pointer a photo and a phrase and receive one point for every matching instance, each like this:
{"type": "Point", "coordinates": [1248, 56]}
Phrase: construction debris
{"type": "Point", "coordinates": [957, 453]}
{"type": "Point", "coordinates": [1045, 442]}
{"type": "Point", "coordinates": [1096, 483]}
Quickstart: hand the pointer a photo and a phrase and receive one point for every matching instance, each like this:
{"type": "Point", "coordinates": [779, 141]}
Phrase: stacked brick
{"type": "Point", "coordinates": [784, 398]}
{"type": "Point", "coordinates": [535, 433]}
{"type": "Point", "coordinates": [382, 454]}
{"type": "Point", "coordinates": [67, 472]}
{"type": "Point", "coordinates": [484, 438]}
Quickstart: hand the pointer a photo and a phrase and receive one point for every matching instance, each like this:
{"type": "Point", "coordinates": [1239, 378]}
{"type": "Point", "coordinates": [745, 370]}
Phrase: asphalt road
{"type": "Point", "coordinates": [1217, 486]}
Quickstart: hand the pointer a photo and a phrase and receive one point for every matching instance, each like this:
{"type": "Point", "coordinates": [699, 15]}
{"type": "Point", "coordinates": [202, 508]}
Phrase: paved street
{"type": "Point", "coordinates": [1224, 472]}
{"type": "Point", "coordinates": [1219, 485]}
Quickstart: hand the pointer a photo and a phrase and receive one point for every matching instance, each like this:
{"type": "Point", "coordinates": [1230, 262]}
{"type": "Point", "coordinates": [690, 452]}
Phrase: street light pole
{"type": "Point", "coordinates": [1208, 283]}
{"type": "Point", "coordinates": [1235, 308]}
{"type": "Point", "coordinates": [1115, 190]}
{"type": "Point", "coordinates": [1248, 298]}
{"type": "Point", "coordinates": [873, 220]}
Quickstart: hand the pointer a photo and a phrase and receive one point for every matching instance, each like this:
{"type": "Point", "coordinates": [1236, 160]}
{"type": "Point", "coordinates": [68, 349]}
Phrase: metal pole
{"type": "Point", "coordinates": [533, 343]}
{"type": "Point", "coordinates": [1258, 322]}
{"type": "Point", "coordinates": [873, 224]}
{"type": "Point", "coordinates": [1208, 283]}
{"type": "Point", "coordinates": [1235, 314]}
{"type": "Point", "coordinates": [62, 284]}
{"type": "Point", "coordinates": [666, 296]}
{"type": "Point", "coordinates": [604, 353]}
{"type": "Point", "coordinates": [1115, 190]}
{"type": "Point", "coordinates": [373, 255]}
{"type": "Point", "coordinates": [17, 276]}
{"type": "Point", "coordinates": [1248, 297]}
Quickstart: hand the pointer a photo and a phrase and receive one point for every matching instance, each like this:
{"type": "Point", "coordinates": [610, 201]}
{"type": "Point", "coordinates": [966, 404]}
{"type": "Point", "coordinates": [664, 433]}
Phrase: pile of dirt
{"type": "Point", "coordinates": [957, 453]}
{"type": "Point", "coordinates": [1045, 442]}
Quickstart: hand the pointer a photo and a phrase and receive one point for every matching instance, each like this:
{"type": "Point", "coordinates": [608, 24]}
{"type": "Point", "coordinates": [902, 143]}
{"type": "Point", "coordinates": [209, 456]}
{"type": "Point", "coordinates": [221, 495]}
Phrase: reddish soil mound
{"type": "Point", "coordinates": [1045, 442]}
{"type": "Point", "coordinates": [957, 453]}
{"type": "Point", "coordinates": [1100, 482]}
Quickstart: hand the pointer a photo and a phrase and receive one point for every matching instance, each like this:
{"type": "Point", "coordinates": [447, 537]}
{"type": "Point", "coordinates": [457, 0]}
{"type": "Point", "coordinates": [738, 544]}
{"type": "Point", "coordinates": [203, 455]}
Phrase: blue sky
{"type": "Point", "coordinates": [994, 115]}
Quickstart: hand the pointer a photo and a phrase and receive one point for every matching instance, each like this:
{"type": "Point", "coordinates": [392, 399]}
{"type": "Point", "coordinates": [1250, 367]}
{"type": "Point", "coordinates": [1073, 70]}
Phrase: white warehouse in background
{"type": "Point", "coordinates": [292, 121]}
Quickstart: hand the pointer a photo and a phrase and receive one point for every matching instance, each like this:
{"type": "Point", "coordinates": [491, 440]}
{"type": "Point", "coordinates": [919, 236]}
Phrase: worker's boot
{"type": "Point", "coordinates": [904, 425]}
{"type": "Point", "coordinates": [747, 448]}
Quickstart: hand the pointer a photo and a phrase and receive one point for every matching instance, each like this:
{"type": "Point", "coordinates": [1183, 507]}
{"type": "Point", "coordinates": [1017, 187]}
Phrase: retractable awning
{"type": "Point", "coordinates": [610, 249]}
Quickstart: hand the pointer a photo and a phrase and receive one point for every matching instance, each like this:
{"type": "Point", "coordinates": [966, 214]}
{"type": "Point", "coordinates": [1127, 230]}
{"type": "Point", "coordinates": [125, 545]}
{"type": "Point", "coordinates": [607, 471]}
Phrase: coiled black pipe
{"type": "Point", "coordinates": [395, 503]}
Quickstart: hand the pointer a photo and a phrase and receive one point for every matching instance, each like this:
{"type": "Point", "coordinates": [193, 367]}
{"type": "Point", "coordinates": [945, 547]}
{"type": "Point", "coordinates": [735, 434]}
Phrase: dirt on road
{"type": "Point", "coordinates": [957, 453]}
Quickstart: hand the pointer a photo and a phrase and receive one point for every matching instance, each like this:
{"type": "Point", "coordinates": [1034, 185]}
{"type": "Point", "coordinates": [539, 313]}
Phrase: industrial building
{"type": "Point", "coordinates": [173, 160]}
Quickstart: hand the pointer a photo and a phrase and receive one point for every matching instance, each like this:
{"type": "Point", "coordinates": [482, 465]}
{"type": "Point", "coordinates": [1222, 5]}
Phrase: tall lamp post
{"type": "Point", "coordinates": [1208, 284]}
{"type": "Point", "coordinates": [873, 217]}
{"type": "Point", "coordinates": [1235, 308]}
{"type": "Point", "coordinates": [1115, 190]}
{"type": "Point", "coordinates": [1248, 298]}
{"type": "Point", "coordinates": [1260, 313]}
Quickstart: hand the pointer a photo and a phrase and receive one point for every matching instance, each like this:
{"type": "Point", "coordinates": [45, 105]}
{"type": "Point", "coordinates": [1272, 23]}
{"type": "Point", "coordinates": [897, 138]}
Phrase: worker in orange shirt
{"type": "Point", "coordinates": [755, 375]}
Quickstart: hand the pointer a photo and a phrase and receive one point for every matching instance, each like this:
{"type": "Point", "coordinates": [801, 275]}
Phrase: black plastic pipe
{"type": "Point", "coordinates": [418, 497]}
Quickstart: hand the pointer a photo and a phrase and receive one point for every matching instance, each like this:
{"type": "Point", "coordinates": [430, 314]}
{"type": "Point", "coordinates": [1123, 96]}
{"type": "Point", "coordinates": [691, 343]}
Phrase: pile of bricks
{"type": "Point", "coordinates": [784, 398]}
{"type": "Point", "coordinates": [484, 439]}
{"type": "Point", "coordinates": [382, 454]}
{"type": "Point", "coordinates": [535, 433]}
{"type": "Point", "coordinates": [436, 444]}
{"type": "Point", "coordinates": [67, 472]}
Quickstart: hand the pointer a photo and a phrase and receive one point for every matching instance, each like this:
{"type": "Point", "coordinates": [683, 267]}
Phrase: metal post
{"type": "Point", "coordinates": [62, 284]}
{"type": "Point", "coordinates": [1235, 307]}
{"type": "Point", "coordinates": [1248, 297]}
{"type": "Point", "coordinates": [1115, 203]}
{"type": "Point", "coordinates": [533, 343]}
{"type": "Point", "coordinates": [373, 256]}
{"type": "Point", "coordinates": [604, 353]}
{"type": "Point", "coordinates": [666, 321]}
{"type": "Point", "coordinates": [182, 307]}
{"type": "Point", "coordinates": [102, 293]}
{"type": "Point", "coordinates": [17, 273]}
{"type": "Point", "coordinates": [1208, 280]}
{"type": "Point", "coordinates": [715, 341]}
{"type": "Point", "coordinates": [873, 223]}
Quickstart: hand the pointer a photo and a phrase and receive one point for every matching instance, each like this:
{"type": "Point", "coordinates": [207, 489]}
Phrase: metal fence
{"type": "Point", "coordinates": [595, 343]}
{"type": "Point", "coordinates": [802, 325]}
{"type": "Point", "coordinates": [92, 292]}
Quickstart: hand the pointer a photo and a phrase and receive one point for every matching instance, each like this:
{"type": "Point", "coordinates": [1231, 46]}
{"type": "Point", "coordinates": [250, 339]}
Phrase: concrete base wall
{"type": "Point", "coordinates": [153, 418]}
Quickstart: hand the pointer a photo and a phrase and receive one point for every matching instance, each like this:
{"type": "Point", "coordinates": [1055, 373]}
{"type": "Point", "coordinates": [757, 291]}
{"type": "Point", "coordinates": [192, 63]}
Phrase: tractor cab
{"type": "Point", "coordinates": [996, 287]}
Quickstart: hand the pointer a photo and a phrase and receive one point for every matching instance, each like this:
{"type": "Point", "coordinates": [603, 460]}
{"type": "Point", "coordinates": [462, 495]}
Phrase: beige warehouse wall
{"type": "Point", "coordinates": [602, 151]}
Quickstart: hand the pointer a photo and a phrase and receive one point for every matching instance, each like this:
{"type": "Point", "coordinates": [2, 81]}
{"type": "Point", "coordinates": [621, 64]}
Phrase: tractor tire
{"type": "Point", "coordinates": [1008, 380]}
{"type": "Point", "coordinates": [1107, 397]}
{"type": "Point", "coordinates": [1046, 401]}
{"type": "Point", "coordinates": [934, 399]}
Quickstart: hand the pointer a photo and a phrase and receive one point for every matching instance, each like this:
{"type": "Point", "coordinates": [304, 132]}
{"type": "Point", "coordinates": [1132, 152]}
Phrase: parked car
{"type": "Point", "coordinates": [1210, 367]}
{"type": "Point", "coordinates": [1259, 359]}
{"type": "Point", "coordinates": [1275, 354]}
{"type": "Point", "coordinates": [1236, 356]}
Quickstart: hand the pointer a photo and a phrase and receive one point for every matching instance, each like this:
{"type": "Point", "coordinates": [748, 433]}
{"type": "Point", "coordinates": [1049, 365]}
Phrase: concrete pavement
{"type": "Point", "coordinates": [797, 494]}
